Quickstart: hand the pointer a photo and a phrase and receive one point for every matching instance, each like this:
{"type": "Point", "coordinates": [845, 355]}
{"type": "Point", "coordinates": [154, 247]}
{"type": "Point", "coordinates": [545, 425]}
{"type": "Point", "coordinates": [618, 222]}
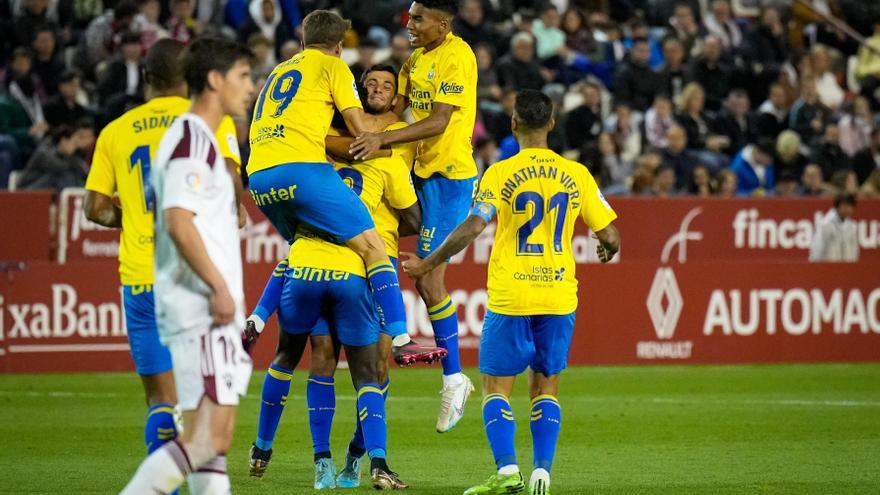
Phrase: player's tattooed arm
{"type": "Point", "coordinates": [102, 210]}
{"type": "Point", "coordinates": [609, 243]}
{"type": "Point", "coordinates": [459, 239]}
{"type": "Point", "coordinates": [410, 220]}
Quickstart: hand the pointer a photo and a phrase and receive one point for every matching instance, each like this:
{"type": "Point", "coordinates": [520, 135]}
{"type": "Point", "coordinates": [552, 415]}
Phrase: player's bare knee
{"type": "Point", "coordinates": [541, 384]}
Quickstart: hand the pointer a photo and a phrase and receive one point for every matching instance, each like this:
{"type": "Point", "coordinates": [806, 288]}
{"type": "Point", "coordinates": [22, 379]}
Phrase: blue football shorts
{"type": "Point", "coordinates": [510, 344]}
{"type": "Point", "coordinates": [327, 302]}
{"type": "Point", "coordinates": [311, 195]}
{"type": "Point", "coordinates": [149, 355]}
{"type": "Point", "coordinates": [445, 204]}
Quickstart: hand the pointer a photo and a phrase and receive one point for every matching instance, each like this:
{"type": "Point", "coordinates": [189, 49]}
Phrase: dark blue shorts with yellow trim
{"type": "Point", "coordinates": [310, 195]}
{"type": "Point", "coordinates": [509, 344]}
{"type": "Point", "coordinates": [445, 203]}
{"type": "Point", "coordinates": [317, 301]}
{"type": "Point", "coordinates": [149, 355]}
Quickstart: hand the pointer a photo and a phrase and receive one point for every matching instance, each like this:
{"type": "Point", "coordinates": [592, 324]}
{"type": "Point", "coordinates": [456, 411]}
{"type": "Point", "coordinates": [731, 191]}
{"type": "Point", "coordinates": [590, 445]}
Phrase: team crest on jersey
{"type": "Point", "coordinates": [431, 73]}
{"type": "Point", "coordinates": [451, 88]}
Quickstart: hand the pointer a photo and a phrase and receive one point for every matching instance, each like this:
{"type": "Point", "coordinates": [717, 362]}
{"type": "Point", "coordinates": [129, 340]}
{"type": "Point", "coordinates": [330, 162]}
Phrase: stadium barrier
{"type": "Point", "coordinates": [697, 281]}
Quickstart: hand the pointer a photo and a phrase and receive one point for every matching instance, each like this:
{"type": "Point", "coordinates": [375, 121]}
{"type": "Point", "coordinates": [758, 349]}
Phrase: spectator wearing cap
{"type": "Point", "coordinates": [754, 169]}
{"type": "Point", "coordinates": [836, 236]}
{"type": "Point", "coordinates": [856, 126]}
{"type": "Point", "coordinates": [57, 163]}
{"type": "Point", "coordinates": [719, 23]}
{"type": "Point", "coordinates": [711, 73]}
{"type": "Point", "coordinates": [808, 115]}
{"type": "Point", "coordinates": [471, 26]}
{"type": "Point", "coordinates": [47, 61]}
{"type": "Point", "coordinates": [123, 74]}
{"type": "Point", "coordinates": [584, 123]}
{"type": "Point", "coordinates": [519, 69]}
{"type": "Point", "coordinates": [868, 160]}
{"type": "Point", "coordinates": [64, 108]}
{"type": "Point", "coordinates": [828, 154]}
{"type": "Point", "coordinates": [735, 121]}
{"type": "Point", "coordinates": [635, 83]}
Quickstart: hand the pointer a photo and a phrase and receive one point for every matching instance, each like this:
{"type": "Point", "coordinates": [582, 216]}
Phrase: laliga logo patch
{"type": "Point", "coordinates": [448, 88]}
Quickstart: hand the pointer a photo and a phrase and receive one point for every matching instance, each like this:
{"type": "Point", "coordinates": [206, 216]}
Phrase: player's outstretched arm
{"type": "Point", "coordinates": [609, 243]}
{"type": "Point", "coordinates": [192, 249]}
{"type": "Point", "coordinates": [410, 220]}
{"type": "Point", "coordinates": [338, 146]}
{"type": "Point", "coordinates": [101, 210]}
{"type": "Point", "coordinates": [431, 126]}
{"type": "Point", "coordinates": [463, 235]}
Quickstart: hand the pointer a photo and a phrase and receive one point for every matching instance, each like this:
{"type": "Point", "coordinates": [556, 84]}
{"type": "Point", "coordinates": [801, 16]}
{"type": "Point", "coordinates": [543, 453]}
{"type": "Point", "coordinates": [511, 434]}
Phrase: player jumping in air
{"type": "Point", "coordinates": [124, 153]}
{"type": "Point", "coordinates": [384, 186]}
{"type": "Point", "coordinates": [199, 288]}
{"type": "Point", "coordinates": [439, 83]}
{"type": "Point", "coordinates": [537, 196]}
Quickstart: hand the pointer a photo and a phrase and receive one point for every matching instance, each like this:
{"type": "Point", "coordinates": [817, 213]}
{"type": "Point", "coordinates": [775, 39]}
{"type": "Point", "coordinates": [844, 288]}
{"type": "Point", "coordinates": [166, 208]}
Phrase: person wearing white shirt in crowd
{"type": "Point", "coordinates": [836, 237]}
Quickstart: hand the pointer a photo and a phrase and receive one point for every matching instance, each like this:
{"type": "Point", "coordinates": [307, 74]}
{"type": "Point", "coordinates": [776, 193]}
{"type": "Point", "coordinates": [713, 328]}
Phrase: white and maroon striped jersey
{"type": "Point", "coordinates": [190, 173]}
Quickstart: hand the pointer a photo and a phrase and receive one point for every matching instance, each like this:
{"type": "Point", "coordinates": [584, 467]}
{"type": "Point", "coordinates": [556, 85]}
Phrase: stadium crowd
{"type": "Point", "coordinates": [657, 97]}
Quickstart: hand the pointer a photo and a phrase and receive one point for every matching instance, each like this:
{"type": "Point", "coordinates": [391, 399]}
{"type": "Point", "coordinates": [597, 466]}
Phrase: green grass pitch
{"type": "Point", "coordinates": [698, 429]}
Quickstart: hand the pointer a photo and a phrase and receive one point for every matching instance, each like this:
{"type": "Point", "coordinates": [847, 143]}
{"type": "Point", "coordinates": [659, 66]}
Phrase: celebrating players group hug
{"type": "Point", "coordinates": [341, 177]}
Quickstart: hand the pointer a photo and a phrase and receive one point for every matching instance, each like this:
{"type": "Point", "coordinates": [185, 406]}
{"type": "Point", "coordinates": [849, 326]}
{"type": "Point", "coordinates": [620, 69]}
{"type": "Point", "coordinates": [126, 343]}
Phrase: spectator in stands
{"type": "Point", "coordinates": [685, 28]}
{"type": "Point", "coordinates": [488, 89]}
{"type": "Point", "coordinates": [701, 182]}
{"type": "Point", "coordinates": [181, 25]}
{"type": "Point", "coordinates": [679, 157]}
{"type": "Point", "coordinates": [33, 16]}
{"type": "Point", "coordinates": [519, 69]}
{"type": "Point", "coordinates": [146, 22]}
{"type": "Point", "coordinates": [64, 108]}
{"type": "Point", "coordinates": [664, 182]}
{"type": "Point", "coordinates": [658, 121]}
{"type": "Point", "coordinates": [672, 71]}
{"type": "Point", "coordinates": [578, 36]}
{"type": "Point", "coordinates": [867, 160]}
{"type": "Point", "coordinates": [754, 170]}
{"type": "Point", "coordinates": [867, 68]}
{"type": "Point", "coordinates": [735, 122]}
{"type": "Point", "coordinates": [635, 83]}
{"type": "Point", "coordinates": [264, 56]}
{"type": "Point", "coordinates": [727, 184]}
{"type": "Point", "coordinates": [122, 76]}
{"type": "Point", "coordinates": [602, 157]}
{"type": "Point", "coordinates": [485, 153]}
{"type": "Point", "coordinates": [719, 23]}
{"type": "Point", "coordinates": [47, 61]}
{"type": "Point", "coordinates": [498, 123]}
{"type": "Point", "coordinates": [100, 38]}
{"type": "Point", "coordinates": [471, 24]}
{"type": "Point", "coordinates": [400, 51]}
{"type": "Point", "coordinates": [871, 187]}
{"type": "Point", "coordinates": [765, 49]}
{"type": "Point", "coordinates": [550, 39]}
{"type": "Point", "coordinates": [290, 48]}
{"type": "Point", "coordinates": [812, 183]}
{"type": "Point", "coordinates": [829, 155]}
{"type": "Point", "coordinates": [57, 163]}
{"type": "Point", "coordinates": [711, 73]}
{"type": "Point", "coordinates": [808, 115]}
{"type": "Point", "coordinates": [692, 116]}
{"type": "Point", "coordinates": [21, 113]}
{"type": "Point", "coordinates": [366, 53]}
{"type": "Point", "coordinates": [264, 17]}
{"type": "Point", "coordinates": [856, 126]}
{"type": "Point", "coordinates": [789, 159]}
{"type": "Point", "coordinates": [773, 114]}
{"type": "Point", "coordinates": [639, 30]}
{"type": "Point", "coordinates": [830, 93]}
{"type": "Point", "coordinates": [625, 129]}
{"type": "Point", "coordinates": [844, 181]}
{"type": "Point", "coordinates": [584, 123]}
{"type": "Point", "coordinates": [836, 236]}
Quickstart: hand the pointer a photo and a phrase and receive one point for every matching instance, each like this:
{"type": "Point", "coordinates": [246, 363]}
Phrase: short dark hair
{"type": "Point", "coordinates": [448, 6]}
{"type": "Point", "coordinates": [324, 28]}
{"type": "Point", "coordinates": [69, 75]}
{"type": "Point", "coordinates": [844, 198]}
{"type": "Point", "coordinates": [380, 68]}
{"type": "Point", "coordinates": [209, 54]}
{"type": "Point", "coordinates": [163, 68]}
{"type": "Point", "coordinates": [130, 38]}
{"type": "Point", "coordinates": [640, 39]}
{"type": "Point", "coordinates": [125, 8]}
{"type": "Point", "coordinates": [533, 109]}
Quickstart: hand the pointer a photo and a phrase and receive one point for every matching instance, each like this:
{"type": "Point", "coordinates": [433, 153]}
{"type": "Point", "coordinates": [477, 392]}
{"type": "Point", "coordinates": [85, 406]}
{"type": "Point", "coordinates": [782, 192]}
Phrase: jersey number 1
{"type": "Point", "coordinates": [558, 202]}
{"type": "Point", "coordinates": [283, 91]}
{"type": "Point", "coordinates": [140, 157]}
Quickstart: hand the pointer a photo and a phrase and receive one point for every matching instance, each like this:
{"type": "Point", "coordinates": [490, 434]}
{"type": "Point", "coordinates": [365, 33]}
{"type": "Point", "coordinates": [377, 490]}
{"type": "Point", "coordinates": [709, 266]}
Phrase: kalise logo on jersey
{"type": "Point", "coordinates": [451, 88]}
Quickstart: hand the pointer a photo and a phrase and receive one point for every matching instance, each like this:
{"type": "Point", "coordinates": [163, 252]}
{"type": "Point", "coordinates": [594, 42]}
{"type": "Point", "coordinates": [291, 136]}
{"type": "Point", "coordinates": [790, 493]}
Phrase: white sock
{"type": "Point", "coordinates": [508, 470]}
{"type": "Point", "coordinates": [401, 340]}
{"type": "Point", "coordinates": [163, 472]}
{"type": "Point", "coordinates": [259, 324]}
{"type": "Point", "coordinates": [452, 380]}
{"type": "Point", "coordinates": [541, 473]}
{"type": "Point", "coordinates": [210, 479]}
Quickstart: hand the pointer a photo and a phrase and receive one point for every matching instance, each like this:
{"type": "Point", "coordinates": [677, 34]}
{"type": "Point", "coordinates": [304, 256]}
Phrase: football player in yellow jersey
{"type": "Point", "coordinates": [290, 179]}
{"type": "Point", "coordinates": [326, 275]}
{"type": "Point", "coordinates": [439, 83]}
{"type": "Point", "coordinates": [537, 196]}
{"type": "Point", "coordinates": [121, 165]}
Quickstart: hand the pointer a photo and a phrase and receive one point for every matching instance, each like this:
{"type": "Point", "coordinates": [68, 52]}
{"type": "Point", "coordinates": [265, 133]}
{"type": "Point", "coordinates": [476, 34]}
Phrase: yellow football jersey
{"type": "Point", "coordinates": [121, 163]}
{"type": "Point", "coordinates": [538, 196]}
{"type": "Point", "coordinates": [295, 107]}
{"type": "Point", "coordinates": [384, 185]}
{"type": "Point", "coordinates": [446, 74]}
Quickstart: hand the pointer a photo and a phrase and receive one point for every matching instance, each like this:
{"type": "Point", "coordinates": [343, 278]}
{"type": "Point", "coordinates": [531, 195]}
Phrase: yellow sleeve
{"type": "Point", "coordinates": [342, 86]}
{"type": "Point", "coordinates": [595, 210]}
{"type": "Point", "coordinates": [228, 140]}
{"type": "Point", "coordinates": [102, 178]}
{"type": "Point", "coordinates": [399, 191]}
{"type": "Point", "coordinates": [455, 86]}
{"type": "Point", "coordinates": [489, 191]}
